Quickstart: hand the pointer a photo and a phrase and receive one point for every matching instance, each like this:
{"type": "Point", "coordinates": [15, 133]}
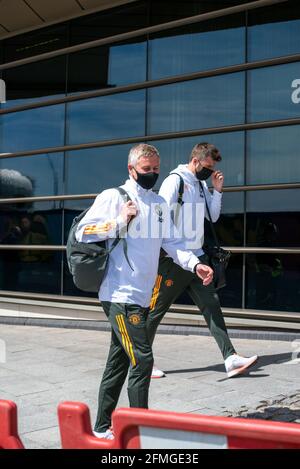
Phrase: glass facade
{"type": "Point", "coordinates": [249, 114]}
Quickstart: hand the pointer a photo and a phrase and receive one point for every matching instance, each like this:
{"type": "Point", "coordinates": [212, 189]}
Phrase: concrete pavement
{"type": "Point", "coordinates": [44, 366]}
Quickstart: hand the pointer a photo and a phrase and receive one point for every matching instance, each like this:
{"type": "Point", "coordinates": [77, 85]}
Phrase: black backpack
{"type": "Point", "coordinates": [87, 262]}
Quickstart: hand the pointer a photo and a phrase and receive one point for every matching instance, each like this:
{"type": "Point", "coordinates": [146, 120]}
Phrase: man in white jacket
{"type": "Point", "coordinates": [189, 211]}
{"type": "Point", "coordinates": [126, 289]}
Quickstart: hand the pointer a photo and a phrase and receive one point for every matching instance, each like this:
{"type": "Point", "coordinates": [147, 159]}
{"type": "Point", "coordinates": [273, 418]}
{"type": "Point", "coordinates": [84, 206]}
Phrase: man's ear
{"type": "Point", "coordinates": [130, 168]}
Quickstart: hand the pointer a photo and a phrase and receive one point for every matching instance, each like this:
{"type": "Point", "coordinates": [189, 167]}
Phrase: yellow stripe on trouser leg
{"type": "Point", "coordinates": [124, 342]}
{"type": "Point", "coordinates": [126, 339]}
{"type": "Point", "coordinates": [155, 292]}
{"type": "Point", "coordinates": [133, 360]}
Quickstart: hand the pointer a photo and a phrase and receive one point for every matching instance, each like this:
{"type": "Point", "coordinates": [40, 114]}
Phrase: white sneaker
{"type": "Point", "coordinates": [235, 364]}
{"type": "Point", "coordinates": [157, 373]}
{"type": "Point", "coordinates": [108, 435]}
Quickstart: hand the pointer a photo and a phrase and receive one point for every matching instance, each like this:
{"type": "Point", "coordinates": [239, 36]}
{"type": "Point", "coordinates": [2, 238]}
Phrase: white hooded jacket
{"type": "Point", "coordinates": [190, 221]}
{"type": "Point", "coordinates": [150, 230]}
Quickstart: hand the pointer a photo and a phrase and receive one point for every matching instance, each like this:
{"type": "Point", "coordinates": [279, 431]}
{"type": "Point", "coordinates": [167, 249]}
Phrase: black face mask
{"type": "Point", "coordinates": [204, 174]}
{"type": "Point", "coordinates": [147, 180]}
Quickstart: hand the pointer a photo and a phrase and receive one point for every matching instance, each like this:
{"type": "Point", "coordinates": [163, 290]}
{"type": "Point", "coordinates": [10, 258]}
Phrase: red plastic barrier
{"type": "Point", "coordinates": [140, 428]}
{"type": "Point", "coordinates": [9, 438]}
{"type": "Point", "coordinates": [75, 428]}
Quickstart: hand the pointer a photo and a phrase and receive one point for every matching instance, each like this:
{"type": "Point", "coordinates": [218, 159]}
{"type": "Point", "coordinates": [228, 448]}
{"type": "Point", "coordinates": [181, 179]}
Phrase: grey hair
{"type": "Point", "coordinates": [142, 149]}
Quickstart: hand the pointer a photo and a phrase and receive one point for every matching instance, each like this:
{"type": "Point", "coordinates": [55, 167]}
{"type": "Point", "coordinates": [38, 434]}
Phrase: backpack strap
{"type": "Point", "coordinates": [209, 216]}
{"type": "Point", "coordinates": [121, 234]}
{"type": "Point", "coordinates": [180, 202]}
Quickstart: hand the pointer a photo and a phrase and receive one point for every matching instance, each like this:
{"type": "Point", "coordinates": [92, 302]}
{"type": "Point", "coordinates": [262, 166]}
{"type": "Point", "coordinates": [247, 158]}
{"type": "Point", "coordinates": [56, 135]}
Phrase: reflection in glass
{"type": "Point", "coordinates": [106, 117]}
{"type": "Point", "coordinates": [270, 93]}
{"type": "Point", "coordinates": [34, 82]}
{"type": "Point", "coordinates": [93, 170]}
{"type": "Point", "coordinates": [273, 218]}
{"type": "Point", "coordinates": [203, 103]}
{"type": "Point", "coordinates": [107, 66]}
{"type": "Point", "coordinates": [231, 295]}
{"type": "Point", "coordinates": [230, 226]}
{"type": "Point", "coordinates": [31, 223]}
{"type": "Point", "coordinates": [31, 176]}
{"type": "Point", "coordinates": [272, 155]}
{"type": "Point", "coordinates": [38, 41]}
{"type": "Point", "coordinates": [29, 270]}
{"type": "Point", "coordinates": [72, 208]}
{"type": "Point", "coordinates": [168, 10]}
{"type": "Point", "coordinates": [177, 151]}
{"type": "Point", "coordinates": [203, 46]}
{"type": "Point", "coordinates": [272, 282]}
{"type": "Point", "coordinates": [109, 22]}
{"type": "Point", "coordinates": [274, 31]}
{"type": "Point", "coordinates": [32, 129]}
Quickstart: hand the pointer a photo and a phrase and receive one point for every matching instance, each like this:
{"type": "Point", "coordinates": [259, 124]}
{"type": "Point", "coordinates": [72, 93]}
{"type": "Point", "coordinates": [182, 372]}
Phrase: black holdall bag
{"type": "Point", "coordinates": [87, 262]}
{"type": "Point", "coordinates": [218, 257]}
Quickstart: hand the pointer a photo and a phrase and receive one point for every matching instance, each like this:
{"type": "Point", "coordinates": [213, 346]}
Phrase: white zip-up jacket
{"type": "Point", "coordinates": [190, 221]}
{"type": "Point", "coordinates": [150, 230]}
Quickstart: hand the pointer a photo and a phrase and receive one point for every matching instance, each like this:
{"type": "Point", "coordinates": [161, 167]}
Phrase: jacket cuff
{"type": "Point", "coordinates": [217, 194]}
{"type": "Point", "coordinates": [193, 262]}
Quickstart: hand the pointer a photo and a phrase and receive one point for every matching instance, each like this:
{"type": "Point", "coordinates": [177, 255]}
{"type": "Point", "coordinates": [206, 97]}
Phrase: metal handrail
{"type": "Point", "coordinates": [154, 83]}
{"type": "Point", "coordinates": [46, 198]}
{"type": "Point", "coordinates": [160, 136]}
{"type": "Point", "coordinates": [233, 249]}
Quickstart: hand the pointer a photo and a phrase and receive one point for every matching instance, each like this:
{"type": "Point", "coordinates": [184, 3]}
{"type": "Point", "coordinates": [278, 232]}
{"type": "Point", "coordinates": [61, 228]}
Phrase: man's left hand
{"type": "Point", "coordinates": [205, 273]}
{"type": "Point", "coordinates": [217, 180]}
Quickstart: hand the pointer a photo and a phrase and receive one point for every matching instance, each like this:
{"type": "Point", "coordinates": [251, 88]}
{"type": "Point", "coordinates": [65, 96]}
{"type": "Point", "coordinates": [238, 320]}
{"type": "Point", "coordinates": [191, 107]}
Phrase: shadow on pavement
{"type": "Point", "coordinates": [263, 360]}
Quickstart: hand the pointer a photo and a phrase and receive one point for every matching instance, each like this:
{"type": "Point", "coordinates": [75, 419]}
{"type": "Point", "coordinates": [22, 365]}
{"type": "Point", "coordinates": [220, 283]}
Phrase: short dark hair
{"type": "Point", "coordinates": [203, 149]}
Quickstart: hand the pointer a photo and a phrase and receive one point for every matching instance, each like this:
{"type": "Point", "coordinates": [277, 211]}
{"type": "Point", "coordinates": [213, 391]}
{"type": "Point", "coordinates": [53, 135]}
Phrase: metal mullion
{"type": "Point", "coordinates": [155, 83]}
{"type": "Point", "coordinates": [143, 31]}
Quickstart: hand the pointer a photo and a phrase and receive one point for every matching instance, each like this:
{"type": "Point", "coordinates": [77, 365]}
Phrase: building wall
{"type": "Point", "coordinates": [78, 148]}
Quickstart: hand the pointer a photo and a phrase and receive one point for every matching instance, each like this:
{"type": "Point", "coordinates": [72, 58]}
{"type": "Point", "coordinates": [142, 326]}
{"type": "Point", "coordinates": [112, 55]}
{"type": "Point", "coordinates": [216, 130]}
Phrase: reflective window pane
{"type": "Point", "coordinates": [107, 66]}
{"type": "Point", "coordinates": [271, 95]}
{"type": "Point", "coordinates": [31, 223]}
{"type": "Point", "coordinates": [72, 208]}
{"type": "Point", "coordinates": [37, 271]}
{"type": "Point", "coordinates": [272, 282]}
{"type": "Point", "coordinates": [106, 117]}
{"type": "Point", "coordinates": [37, 81]}
{"type": "Point", "coordinates": [203, 46]}
{"type": "Point", "coordinates": [231, 145]}
{"type": "Point", "coordinates": [35, 42]}
{"type": "Point", "coordinates": [272, 155]}
{"type": "Point", "coordinates": [169, 10]}
{"type": "Point", "coordinates": [91, 171]}
{"type": "Point", "coordinates": [208, 102]}
{"type": "Point", "coordinates": [274, 31]}
{"type": "Point", "coordinates": [32, 129]}
{"type": "Point", "coordinates": [230, 226]}
{"type": "Point", "coordinates": [109, 22]}
{"type": "Point", "coordinates": [273, 218]}
{"type": "Point", "coordinates": [231, 295]}
{"type": "Point", "coordinates": [31, 176]}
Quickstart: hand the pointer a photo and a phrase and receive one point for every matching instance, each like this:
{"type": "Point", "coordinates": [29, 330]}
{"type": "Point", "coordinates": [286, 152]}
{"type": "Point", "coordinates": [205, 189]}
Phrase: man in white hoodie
{"type": "Point", "coordinates": [126, 289]}
{"type": "Point", "coordinates": [189, 211]}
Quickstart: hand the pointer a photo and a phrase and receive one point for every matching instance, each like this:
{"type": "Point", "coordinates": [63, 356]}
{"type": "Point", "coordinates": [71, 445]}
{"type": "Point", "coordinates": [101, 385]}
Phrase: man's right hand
{"type": "Point", "coordinates": [204, 272]}
{"type": "Point", "coordinates": [129, 210]}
